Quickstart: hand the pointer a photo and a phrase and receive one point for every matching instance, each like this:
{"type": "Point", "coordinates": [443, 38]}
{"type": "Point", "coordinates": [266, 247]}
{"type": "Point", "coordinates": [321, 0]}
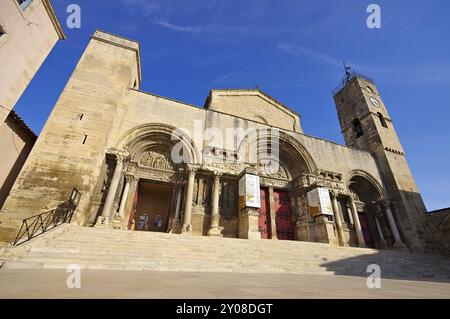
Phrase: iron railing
{"type": "Point", "coordinates": [348, 78]}
{"type": "Point", "coordinates": [37, 225]}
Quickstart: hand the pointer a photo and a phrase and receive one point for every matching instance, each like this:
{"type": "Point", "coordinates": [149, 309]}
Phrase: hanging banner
{"type": "Point", "coordinates": [319, 202]}
{"type": "Point", "coordinates": [249, 192]}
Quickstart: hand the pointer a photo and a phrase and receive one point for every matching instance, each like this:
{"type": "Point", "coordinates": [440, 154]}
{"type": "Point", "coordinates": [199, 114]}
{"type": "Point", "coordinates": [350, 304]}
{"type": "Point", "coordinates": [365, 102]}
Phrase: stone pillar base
{"type": "Point", "coordinates": [215, 232]}
{"type": "Point", "coordinates": [117, 222]}
{"type": "Point", "coordinates": [400, 246]}
{"type": "Point", "coordinates": [176, 228]}
{"type": "Point", "coordinates": [103, 222]}
{"type": "Point", "coordinates": [324, 231]}
{"type": "Point", "coordinates": [249, 224]}
{"type": "Point", "coordinates": [382, 244]}
{"type": "Point", "coordinates": [186, 230]}
{"type": "Point", "coordinates": [303, 232]}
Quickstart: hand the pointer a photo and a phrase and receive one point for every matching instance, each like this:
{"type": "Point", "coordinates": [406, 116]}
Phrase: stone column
{"type": "Point", "coordinates": [337, 217]}
{"type": "Point", "coordinates": [350, 215]}
{"type": "Point", "coordinates": [214, 229]}
{"type": "Point", "coordinates": [273, 214]}
{"type": "Point", "coordinates": [187, 226]}
{"type": "Point", "coordinates": [176, 219]}
{"type": "Point", "coordinates": [357, 224]}
{"type": "Point", "coordinates": [107, 207]}
{"type": "Point", "coordinates": [380, 232]}
{"type": "Point", "coordinates": [129, 206]}
{"type": "Point", "coordinates": [125, 195]}
{"type": "Point", "coordinates": [393, 226]}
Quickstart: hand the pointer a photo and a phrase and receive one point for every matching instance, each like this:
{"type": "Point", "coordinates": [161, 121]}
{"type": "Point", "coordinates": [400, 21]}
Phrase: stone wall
{"type": "Point", "coordinates": [438, 223]}
{"type": "Point", "coordinates": [71, 148]}
{"type": "Point", "coordinates": [30, 35]}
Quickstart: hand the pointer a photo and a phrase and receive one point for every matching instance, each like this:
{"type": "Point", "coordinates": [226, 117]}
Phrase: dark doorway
{"type": "Point", "coordinates": [368, 238]}
{"type": "Point", "coordinates": [153, 207]}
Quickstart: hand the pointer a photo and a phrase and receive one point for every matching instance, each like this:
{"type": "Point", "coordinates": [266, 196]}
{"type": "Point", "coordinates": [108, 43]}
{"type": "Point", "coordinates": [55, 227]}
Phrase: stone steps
{"type": "Point", "coordinates": [94, 248]}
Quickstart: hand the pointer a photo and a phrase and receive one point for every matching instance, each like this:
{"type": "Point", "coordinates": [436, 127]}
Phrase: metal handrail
{"type": "Point", "coordinates": [38, 225]}
{"type": "Point", "coordinates": [349, 78]}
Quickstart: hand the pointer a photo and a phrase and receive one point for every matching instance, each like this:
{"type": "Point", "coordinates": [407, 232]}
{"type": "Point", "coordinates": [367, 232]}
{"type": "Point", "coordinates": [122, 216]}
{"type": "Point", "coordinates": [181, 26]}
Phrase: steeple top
{"type": "Point", "coordinates": [349, 75]}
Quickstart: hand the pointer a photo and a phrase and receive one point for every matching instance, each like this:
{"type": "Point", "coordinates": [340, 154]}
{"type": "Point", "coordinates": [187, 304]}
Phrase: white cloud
{"type": "Point", "coordinates": [299, 50]}
{"type": "Point", "coordinates": [179, 28]}
{"type": "Point", "coordinates": [407, 74]}
{"type": "Point", "coordinates": [226, 78]}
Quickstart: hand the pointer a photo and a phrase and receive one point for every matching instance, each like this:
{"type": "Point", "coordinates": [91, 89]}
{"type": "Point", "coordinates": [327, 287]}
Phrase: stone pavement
{"type": "Point", "coordinates": [179, 285]}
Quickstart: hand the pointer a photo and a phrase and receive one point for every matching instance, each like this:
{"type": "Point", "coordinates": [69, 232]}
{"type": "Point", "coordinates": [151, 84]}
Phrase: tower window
{"type": "Point", "coordinates": [2, 31]}
{"type": "Point", "coordinates": [382, 120]}
{"type": "Point", "coordinates": [357, 128]}
{"type": "Point", "coordinates": [24, 3]}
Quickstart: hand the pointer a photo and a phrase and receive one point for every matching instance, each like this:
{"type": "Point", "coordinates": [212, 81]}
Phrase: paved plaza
{"type": "Point", "coordinates": [178, 285]}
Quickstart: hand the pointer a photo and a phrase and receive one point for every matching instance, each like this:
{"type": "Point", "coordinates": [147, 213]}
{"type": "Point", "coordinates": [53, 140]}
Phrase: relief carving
{"type": "Point", "coordinates": [266, 169]}
{"type": "Point", "coordinates": [152, 159]}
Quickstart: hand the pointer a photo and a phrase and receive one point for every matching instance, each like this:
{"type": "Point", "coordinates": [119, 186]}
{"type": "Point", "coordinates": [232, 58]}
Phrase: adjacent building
{"type": "Point", "coordinates": [29, 29]}
{"type": "Point", "coordinates": [16, 141]}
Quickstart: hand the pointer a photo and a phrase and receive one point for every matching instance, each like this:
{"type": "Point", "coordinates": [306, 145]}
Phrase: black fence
{"type": "Point", "coordinates": [37, 225]}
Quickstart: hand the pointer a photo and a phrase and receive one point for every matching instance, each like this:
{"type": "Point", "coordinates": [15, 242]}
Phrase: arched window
{"type": "Point", "coordinates": [382, 120]}
{"type": "Point", "coordinates": [357, 128]}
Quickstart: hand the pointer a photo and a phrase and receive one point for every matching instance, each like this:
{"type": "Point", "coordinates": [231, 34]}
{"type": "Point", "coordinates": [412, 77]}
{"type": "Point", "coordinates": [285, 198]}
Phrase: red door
{"type": "Point", "coordinates": [367, 234]}
{"type": "Point", "coordinates": [285, 228]}
{"type": "Point", "coordinates": [264, 222]}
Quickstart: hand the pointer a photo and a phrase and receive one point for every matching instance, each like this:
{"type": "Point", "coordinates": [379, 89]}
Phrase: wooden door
{"type": "Point", "coordinates": [264, 221]}
{"type": "Point", "coordinates": [285, 227]}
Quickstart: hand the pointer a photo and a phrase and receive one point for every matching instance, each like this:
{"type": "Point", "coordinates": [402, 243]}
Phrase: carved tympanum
{"type": "Point", "coordinates": [158, 160]}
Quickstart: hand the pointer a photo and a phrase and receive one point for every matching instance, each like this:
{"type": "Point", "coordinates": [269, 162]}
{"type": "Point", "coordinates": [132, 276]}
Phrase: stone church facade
{"type": "Point", "coordinates": [116, 145]}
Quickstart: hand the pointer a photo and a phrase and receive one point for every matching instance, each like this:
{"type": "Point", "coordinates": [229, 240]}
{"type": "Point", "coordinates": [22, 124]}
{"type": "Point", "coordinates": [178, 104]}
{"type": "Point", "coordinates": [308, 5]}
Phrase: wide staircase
{"type": "Point", "coordinates": [95, 248]}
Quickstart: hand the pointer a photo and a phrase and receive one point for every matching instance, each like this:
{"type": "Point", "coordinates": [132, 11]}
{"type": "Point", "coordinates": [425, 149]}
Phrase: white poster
{"type": "Point", "coordinates": [319, 202]}
{"type": "Point", "coordinates": [249, 192]}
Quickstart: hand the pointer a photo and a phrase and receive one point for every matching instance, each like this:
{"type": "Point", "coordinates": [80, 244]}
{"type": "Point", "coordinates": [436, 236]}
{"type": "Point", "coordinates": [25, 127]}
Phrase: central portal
{"type": "Point", "coordinates": [153, 207]}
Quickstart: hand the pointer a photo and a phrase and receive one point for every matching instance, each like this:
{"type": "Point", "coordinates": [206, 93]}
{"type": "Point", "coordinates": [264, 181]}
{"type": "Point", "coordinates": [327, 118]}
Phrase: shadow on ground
{"type": "Point", "coordinates": [395, 265]}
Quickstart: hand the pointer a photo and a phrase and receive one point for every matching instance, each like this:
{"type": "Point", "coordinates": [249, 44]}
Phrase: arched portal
{"type": "Point", "coordinates": [161, 137]}
{"type": "Point", "coordinates": [146, 189]}
{"type": "Point", "coordinates": [280, 160]}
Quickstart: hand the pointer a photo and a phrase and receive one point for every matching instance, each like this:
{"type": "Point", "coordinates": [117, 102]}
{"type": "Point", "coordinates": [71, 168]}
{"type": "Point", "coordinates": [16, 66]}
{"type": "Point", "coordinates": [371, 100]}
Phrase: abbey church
{"type": "Point", "coordinates": [115, 144]}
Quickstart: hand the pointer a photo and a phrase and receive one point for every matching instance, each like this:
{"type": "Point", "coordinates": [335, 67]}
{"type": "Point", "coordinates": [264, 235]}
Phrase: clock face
{"type": "Point", "coordinates": [375, 102]}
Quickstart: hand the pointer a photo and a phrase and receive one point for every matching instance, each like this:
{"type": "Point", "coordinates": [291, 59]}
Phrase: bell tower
{"type": "Point", "coordinates": [367, 125]}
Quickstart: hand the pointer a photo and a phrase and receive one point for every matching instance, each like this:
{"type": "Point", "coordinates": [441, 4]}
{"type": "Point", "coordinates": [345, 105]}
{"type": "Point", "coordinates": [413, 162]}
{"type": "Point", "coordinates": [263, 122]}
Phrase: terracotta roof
{"type": "Point", "coordinates": [444, 210]}
{"type": "Point", "coordinates": [21, 123]}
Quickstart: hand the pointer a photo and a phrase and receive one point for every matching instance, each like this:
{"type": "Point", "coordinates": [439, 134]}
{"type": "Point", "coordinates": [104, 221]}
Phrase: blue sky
{"type": "Point", "coordinates": [293, 50]}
